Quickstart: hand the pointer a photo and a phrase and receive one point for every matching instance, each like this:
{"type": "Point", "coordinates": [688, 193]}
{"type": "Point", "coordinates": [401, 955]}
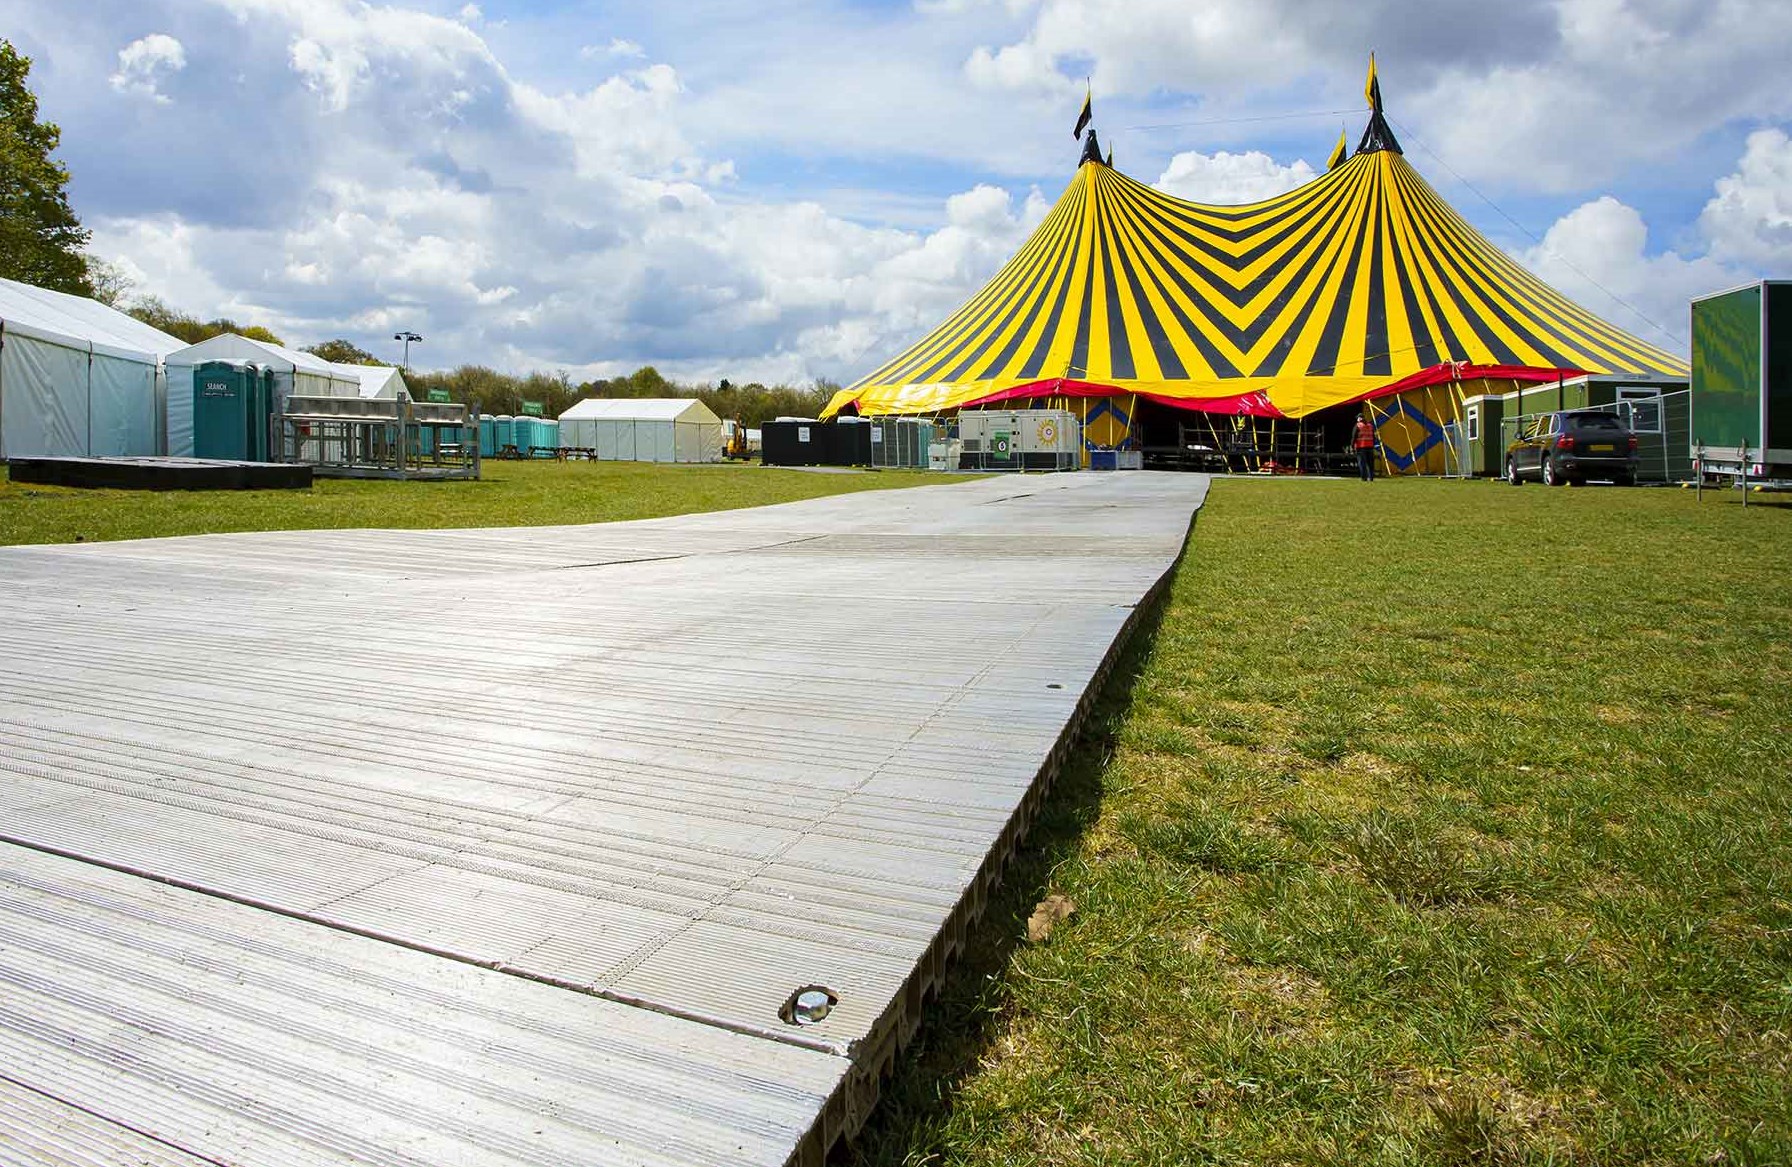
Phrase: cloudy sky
{"type": "Point", "coordinates": [791, 189]}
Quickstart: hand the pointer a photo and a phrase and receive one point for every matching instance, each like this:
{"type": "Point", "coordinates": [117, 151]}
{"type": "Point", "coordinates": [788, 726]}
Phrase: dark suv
{"type": "Point", "coordinates": [1573, 447]}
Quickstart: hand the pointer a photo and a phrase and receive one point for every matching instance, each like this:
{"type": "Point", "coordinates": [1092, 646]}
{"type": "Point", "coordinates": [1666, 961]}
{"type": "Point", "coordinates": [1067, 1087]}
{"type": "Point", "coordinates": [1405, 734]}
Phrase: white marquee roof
{"type": "Point", "coordinates": [381, 381]}
{"type": "Point", "coordinates": [60, 317]}
{"type": "Point", "coordinates": [641, 409]}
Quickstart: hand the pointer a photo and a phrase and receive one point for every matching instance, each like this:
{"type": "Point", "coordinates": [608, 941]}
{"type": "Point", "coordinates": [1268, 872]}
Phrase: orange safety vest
{"type": "Point", "coordinates": [1365, 435]}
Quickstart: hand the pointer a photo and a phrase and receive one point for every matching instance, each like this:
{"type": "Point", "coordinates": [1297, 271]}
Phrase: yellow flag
{"type": "Point", "coordinates": [1372, 87]}
{"type": "Point", "coordinates": [1338, 153]}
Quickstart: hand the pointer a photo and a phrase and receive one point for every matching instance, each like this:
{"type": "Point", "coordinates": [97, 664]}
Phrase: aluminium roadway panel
{"type": "Point", "coordinates": [644, 779]}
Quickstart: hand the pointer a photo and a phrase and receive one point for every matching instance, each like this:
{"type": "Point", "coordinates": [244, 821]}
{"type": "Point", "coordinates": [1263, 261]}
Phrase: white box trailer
{"type": "Point", "coordinates": [1020, 439]}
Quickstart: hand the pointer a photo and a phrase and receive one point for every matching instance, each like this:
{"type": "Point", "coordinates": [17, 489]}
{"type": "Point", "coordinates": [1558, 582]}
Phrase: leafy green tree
{"type": "Point", "coordinates": [343, 352]}
{"type": "Point", "coordinates": [111, 286]}
{"type": "Point", "coordinates": [41, 241]}
{"type": "Point", "coordinates": [157, 314]}
{"type": "Point", "coordinates": [252, 331]}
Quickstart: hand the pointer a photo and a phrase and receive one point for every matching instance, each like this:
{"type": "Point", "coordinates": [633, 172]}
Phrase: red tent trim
{"type": "Point", "coordinates": [1463, 371]}
{"type": "Point", "coordinates": [1238, 405]}
{"type": "Point", "coordinates": [1258, 404]}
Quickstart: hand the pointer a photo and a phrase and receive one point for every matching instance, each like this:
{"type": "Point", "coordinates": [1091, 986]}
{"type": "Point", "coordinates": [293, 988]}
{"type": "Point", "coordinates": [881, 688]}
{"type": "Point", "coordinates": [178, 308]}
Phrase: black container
{"type": "Point", "coordinates": [815, 443]}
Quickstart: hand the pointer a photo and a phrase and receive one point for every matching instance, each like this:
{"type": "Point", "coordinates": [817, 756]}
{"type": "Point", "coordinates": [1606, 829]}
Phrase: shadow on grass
{"type": "Point", "coordinates": [958, 1028]}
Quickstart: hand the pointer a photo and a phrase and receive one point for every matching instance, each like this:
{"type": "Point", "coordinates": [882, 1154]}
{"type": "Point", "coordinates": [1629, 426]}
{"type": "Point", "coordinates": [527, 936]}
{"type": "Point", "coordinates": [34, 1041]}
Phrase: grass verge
{"type": "Point", "coordinates": [509, 494]}
{"type": "Point", "coordinates": [1435, 823]}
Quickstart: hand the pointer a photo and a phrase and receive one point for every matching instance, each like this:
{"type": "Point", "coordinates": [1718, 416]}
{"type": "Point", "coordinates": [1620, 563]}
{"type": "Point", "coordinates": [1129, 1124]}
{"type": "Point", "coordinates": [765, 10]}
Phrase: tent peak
{"type": "Point", "coordinates": [1091, 150]}
{"type": "Point", "coordinates": [1376, 136]}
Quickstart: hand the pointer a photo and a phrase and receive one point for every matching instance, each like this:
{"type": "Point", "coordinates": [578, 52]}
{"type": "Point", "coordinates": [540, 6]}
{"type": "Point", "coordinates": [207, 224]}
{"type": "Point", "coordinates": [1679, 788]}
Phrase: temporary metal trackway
{"type": "Point", "coordinates": [506, 846]}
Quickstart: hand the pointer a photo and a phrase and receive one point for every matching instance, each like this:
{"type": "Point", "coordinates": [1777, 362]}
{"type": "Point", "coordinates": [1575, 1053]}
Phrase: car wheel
{"type": "Point", "coordinates": [1551, 476]}
{"type": "Point", "coordinates": [1512, 472]}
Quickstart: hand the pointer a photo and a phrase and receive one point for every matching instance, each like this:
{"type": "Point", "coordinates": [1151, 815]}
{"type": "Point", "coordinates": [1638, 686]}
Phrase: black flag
{"type": "Point", "coordinates": [1082, 119]}
{"type": "Point", "coordinates": [1091, 149]}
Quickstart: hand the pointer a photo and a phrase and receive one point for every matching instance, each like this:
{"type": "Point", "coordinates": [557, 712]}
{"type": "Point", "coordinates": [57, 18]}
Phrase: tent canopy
{"type": "Point", "coordinates": [377, 382]}
{"type": "Point", "coordinates": [77, 320]}
{"type": "Point", "coordinates": [311, 374]}
{"type": "Point", "coordinates": [78, 378]}
{"type": "Point", "coordinates": [643, 429]}
{"type": "Point", "coordinates": [686, 409]}
{"type": "Point", "coordinates": [1363, 279]}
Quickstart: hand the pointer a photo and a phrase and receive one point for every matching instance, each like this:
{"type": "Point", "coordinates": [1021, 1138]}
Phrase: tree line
{"type": "Point", "coordinates": [504, 393]}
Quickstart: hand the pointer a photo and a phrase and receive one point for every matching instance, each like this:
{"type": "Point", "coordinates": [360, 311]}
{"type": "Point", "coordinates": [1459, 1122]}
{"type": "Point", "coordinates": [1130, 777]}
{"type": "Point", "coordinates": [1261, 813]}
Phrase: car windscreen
{"type": "Point", "coordinates": [1595, 421]}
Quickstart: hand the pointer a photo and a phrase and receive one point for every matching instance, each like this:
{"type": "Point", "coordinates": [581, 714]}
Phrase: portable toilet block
{"type": "Point", "coordinates": [231, 405]}
{"type": "Point", "coordinates": [503, 432]}
{"type": "Point", "coordinates": [488, 436]}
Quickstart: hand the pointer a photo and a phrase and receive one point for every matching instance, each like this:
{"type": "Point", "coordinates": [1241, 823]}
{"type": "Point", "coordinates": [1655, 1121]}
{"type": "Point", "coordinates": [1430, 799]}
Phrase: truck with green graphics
{"type": "Point", "coordinates": [1742, 382]}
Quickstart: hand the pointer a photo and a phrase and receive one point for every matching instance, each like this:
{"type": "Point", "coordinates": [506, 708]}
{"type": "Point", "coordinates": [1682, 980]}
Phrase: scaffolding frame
{"type": "Point", "coordinates": [352, 437]}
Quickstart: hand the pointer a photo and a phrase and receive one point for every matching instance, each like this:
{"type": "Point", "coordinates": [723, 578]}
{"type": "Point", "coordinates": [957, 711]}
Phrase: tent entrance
{"type": "Point", "coordinates": [1187, 439]}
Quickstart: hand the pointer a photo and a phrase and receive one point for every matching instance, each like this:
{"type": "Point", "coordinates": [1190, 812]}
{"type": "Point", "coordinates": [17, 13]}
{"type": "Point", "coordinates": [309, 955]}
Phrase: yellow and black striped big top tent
{"type": "Point", "coordinates": [1362, 282]}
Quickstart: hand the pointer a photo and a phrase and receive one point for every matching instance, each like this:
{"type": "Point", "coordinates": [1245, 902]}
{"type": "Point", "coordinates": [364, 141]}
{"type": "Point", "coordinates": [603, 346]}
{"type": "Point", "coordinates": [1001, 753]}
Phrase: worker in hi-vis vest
{"type": "Point", "coordinates": [1363, 439]}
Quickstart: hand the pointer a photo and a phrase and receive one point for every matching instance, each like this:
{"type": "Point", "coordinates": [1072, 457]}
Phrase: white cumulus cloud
{"type": "Point", "coordinates": [145, 63]}
{"type": "Point", "coordinates": [1598, 253]}
{"type": "Point", "coordinates": [1228, 179]}
{"type": "Point", "coordinates": [618, 47]}
{"type": "Point", "coordinates": [1750, 219]}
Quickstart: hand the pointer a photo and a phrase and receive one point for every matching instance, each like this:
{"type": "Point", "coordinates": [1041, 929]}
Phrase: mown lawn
{"type": "Point", "coordinates": [509, 494]}
{"type": "Point", "coordinates": [1439, 823]}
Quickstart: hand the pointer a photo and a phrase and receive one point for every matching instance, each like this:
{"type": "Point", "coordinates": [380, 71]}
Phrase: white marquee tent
{"type": "Point", "coordinates": [78, 379]}
{"type": "Point", "coordinates": [295, 374]}
{"type": "Point", "coordinates": [644, 429]}
{"type": "Point", "coordinates": [378, 382]}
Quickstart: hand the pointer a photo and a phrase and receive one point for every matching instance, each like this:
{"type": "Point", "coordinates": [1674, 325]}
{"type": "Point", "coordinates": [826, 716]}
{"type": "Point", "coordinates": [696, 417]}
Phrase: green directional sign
{"type": "Point", "coordinates": [1003, 444]}
{"type": "Point", "coordinates": [438, 397]}
{"type": "Point", "coordinates": [532, 409]}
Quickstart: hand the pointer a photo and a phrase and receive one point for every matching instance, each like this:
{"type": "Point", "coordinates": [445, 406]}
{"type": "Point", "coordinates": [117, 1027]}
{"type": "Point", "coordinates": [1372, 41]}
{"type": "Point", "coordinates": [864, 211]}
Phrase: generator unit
{"type": "Point", "coordinates": [1020, 439]}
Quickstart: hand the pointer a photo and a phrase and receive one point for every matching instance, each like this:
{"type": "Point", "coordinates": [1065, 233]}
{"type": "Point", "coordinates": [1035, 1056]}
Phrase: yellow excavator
{"type": "Point", "coordinates": [737, 442]}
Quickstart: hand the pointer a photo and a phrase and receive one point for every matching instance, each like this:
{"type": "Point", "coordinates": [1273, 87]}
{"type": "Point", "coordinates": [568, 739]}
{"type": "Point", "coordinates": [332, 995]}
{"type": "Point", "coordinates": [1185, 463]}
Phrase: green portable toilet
{"type": "Point", "coordinates": [231, 404]}
{"type": "Point", "coordinates": [260, 436]}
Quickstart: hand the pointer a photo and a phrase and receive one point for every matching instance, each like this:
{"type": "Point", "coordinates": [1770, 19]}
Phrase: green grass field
{"type": "Point", "coordinates": [1437, 822]}
{"type": "Point", "coordinates": [1431, 823]}
{"type": "Point", "coordinates": [509, 494]}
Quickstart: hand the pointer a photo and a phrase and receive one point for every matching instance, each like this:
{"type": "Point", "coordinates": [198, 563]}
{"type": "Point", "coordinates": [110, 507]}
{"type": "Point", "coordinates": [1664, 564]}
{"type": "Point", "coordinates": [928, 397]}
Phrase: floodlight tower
{"type": "Point", "coordinates": [408, 337]}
